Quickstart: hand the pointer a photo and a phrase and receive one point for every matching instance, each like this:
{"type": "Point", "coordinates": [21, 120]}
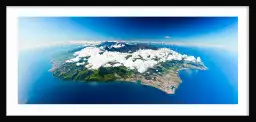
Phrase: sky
{"type": "Point", "coordinates": [186, 30]}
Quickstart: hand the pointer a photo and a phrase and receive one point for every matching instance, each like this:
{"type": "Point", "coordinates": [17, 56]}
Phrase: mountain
{"type": "Point", "coordinates": [124, 47]}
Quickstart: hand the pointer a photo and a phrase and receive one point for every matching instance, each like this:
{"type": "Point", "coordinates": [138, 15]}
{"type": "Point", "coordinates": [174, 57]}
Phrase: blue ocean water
{"type": "Point", "coordinates": [217, 85]}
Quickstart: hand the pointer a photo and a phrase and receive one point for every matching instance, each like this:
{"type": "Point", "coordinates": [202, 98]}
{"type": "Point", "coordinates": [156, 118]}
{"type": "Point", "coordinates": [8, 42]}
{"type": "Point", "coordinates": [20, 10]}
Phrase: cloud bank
{"type": "Point", "coordinates": [140, 60]}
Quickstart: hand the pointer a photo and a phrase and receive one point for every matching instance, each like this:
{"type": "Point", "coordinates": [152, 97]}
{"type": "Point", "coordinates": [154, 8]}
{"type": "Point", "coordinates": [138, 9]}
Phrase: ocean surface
{"type": "Point", "coordinates": [217, 85]}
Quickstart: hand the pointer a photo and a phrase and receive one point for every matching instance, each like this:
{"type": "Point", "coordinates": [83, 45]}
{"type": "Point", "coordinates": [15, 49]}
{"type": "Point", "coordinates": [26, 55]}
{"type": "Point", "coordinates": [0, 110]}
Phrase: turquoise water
{"type": "Point", "coordinates": [217, 85]}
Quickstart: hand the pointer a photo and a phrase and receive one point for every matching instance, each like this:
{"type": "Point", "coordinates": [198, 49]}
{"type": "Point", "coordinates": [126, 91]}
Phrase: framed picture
{"type": "Point", "coordinates": [146, 60]}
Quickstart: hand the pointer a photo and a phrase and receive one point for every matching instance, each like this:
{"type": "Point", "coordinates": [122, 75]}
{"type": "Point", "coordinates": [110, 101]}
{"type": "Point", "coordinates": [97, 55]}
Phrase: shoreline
{"type": "Point", "coordinates": [163, 83]}
{"type": "Point", "coordinates": [167, 81]}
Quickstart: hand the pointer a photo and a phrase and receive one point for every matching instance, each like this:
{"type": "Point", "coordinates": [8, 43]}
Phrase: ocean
{"type": "Point", "coordinates": [217, 85]}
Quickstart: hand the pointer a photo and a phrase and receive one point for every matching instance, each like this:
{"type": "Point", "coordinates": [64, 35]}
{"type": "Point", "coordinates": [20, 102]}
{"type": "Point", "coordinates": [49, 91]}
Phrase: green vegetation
{"type": "Point", "coordinates": [81, 75]}
{"type": "Point", "coordinates": [67, 77]}
{"type": "Point", "coordinates": [171, 65]}
{"type": "Point", "coordinates": [69, 71]}
{"type": "Point", "coordinates": [78, 73]}
{"type": "Point", "coordinates": [109, 77]}
{"type": "Point", "coordinates": [95, 76]}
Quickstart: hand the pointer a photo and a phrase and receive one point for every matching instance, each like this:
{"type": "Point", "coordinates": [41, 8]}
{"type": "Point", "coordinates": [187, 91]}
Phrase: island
{"type": "Point", "coordinates": [115, 61]}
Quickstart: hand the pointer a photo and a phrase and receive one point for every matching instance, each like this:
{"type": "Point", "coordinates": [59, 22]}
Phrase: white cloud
{"type": "Point", "coordinates": [88, 51]}
{"type": "Point", "coordinates": [117, 65]}
{"type": "Point", "coordinates": [190, 58]}
{"type": "Point", "coordinates": [198, 59]}
{"type": "Point", "coordinates": [140, 60]}
{"type": "Point", "coordinates": [118, 45]}
{"type": "Point", "coordinates": [80, 64]}
{"type": "Point", "coordinates": [167, 37]}
{"type": "Point", "coordinates": [76, 59]}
